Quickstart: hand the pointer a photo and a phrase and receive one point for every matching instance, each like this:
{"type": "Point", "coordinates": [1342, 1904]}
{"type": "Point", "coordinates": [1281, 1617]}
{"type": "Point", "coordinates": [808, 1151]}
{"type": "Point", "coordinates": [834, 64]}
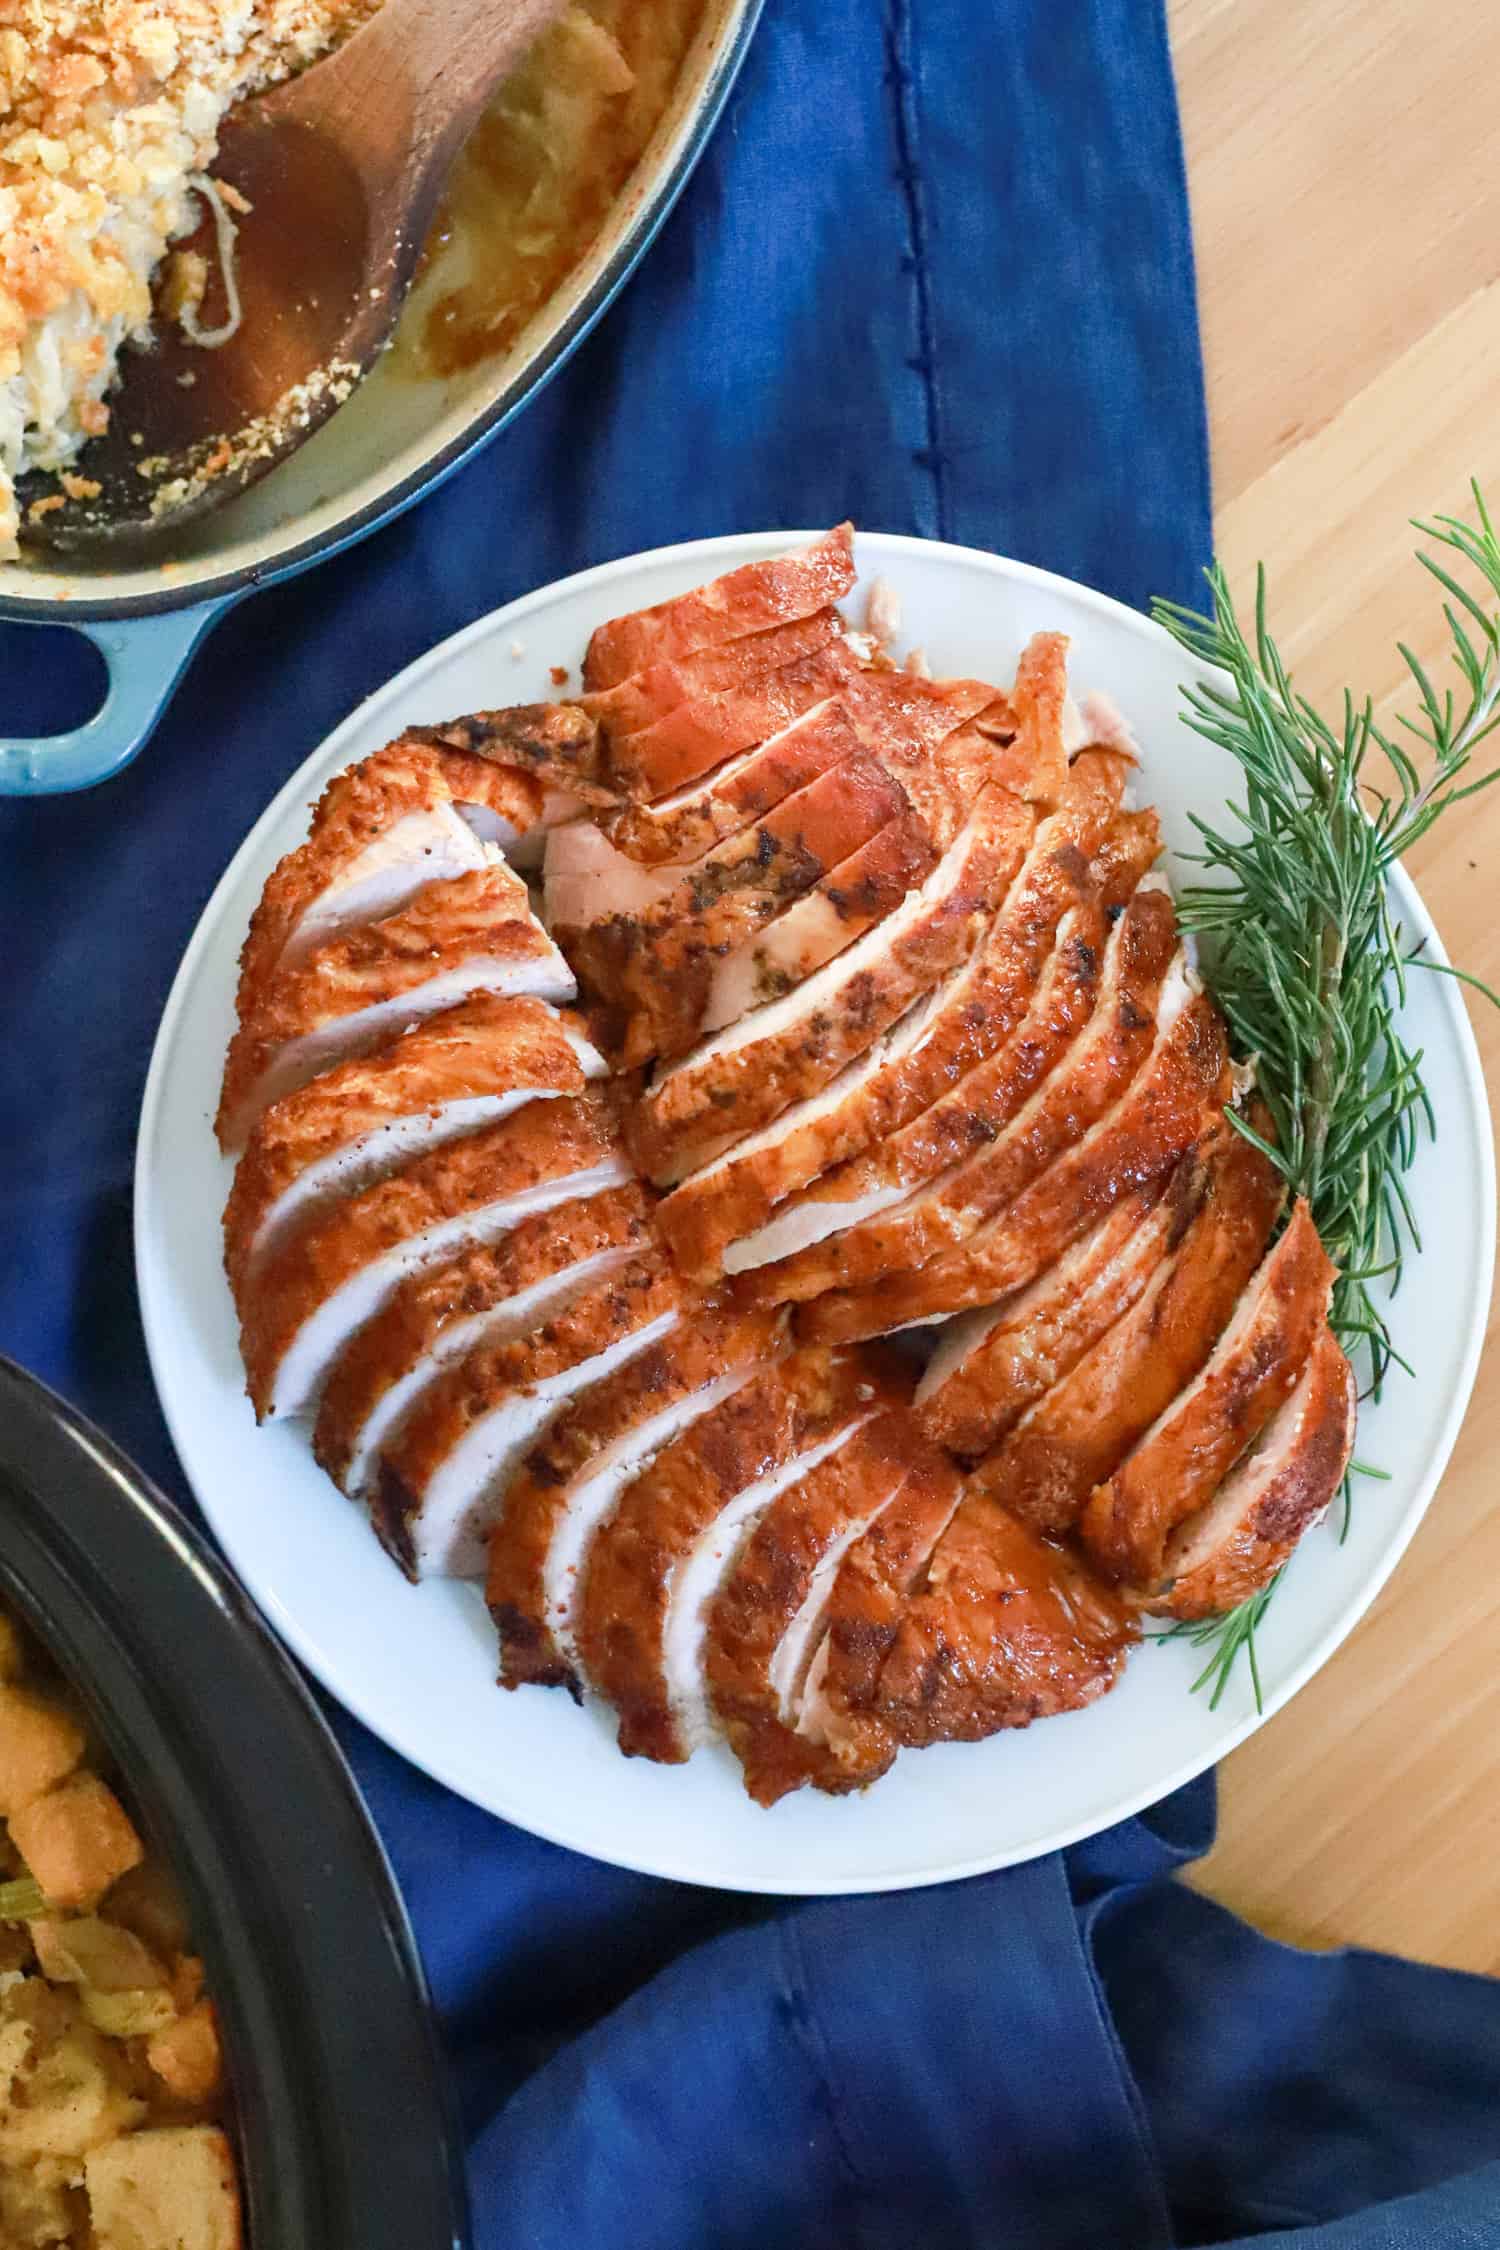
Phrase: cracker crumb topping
{"type": "Point", "coordinates": [106, 109]}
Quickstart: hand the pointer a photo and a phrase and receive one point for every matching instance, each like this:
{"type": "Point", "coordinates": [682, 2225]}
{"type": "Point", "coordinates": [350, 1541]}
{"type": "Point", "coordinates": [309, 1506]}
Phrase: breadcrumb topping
{"type": "Point", "coordinates": [107, 109]}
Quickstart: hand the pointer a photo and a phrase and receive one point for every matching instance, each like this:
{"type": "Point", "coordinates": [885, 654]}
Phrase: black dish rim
{"type": "Point", "coordinates": [348, 2133]}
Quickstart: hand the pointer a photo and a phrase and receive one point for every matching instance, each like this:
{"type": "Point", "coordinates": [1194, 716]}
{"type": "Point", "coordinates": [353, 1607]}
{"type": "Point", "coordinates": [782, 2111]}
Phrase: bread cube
{"type": "Point", "coordinates": [39, 1746]}
{"type": "Point", "coordinates": [77, 1841]}
{"type": "Point", "coordinates": [187, 2058]}
{"type": "Point", "coordinates": [173, 2186]}
{"type": "Point", "coordinates": [70, 2090]}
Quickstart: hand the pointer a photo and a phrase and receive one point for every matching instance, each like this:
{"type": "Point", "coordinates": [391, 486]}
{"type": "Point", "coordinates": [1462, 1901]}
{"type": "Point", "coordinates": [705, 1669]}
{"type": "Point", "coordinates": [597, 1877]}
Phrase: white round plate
{"type": "Point", "coordinates": [417, 1664]}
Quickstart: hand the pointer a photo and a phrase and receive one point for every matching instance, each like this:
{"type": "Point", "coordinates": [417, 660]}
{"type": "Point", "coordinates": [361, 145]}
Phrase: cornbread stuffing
{"type": "Point", "coordinates": [109, 110]}
{"type": "Point", "coordinates": [111, 2076]}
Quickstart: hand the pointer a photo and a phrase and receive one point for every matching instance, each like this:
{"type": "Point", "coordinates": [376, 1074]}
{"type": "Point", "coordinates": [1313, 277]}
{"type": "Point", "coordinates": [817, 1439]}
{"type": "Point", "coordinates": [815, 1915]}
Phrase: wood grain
{"type": "Point", "coordinates": [1351, 323]}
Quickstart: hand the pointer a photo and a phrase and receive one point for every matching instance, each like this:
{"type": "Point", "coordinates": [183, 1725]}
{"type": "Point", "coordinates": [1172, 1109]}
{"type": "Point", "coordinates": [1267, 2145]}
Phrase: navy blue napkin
{"type": "Point", "coordinates": [934, 273]}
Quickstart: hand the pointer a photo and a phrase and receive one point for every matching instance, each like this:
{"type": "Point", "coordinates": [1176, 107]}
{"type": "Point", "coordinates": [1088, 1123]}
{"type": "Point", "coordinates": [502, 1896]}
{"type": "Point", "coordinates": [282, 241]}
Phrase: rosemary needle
{"type": "Point", "coordinates": [1300, 945]}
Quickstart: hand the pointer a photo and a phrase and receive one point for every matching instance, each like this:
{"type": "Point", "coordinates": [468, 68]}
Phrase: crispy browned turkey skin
{"type": "Point", "coordinates": [883, 1023]}
{"type": "Point", "coordinates": [571, 1481]}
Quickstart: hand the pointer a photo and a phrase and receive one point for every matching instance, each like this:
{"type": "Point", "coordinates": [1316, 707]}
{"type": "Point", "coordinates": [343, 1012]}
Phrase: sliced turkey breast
{"type": "Point", "coordinates": [467, 1066]}
{"type": "Point", "coordinates": [989, 747]}
{"type": "Point", "coordinates": [560, 747]}
{"type": "Point", "coordinates": [444, 1474]}
{"type": "Point", "coordinates": [965, 1019]}
{"type": "Point", "coordinates": [835, 1230]}
{"type": "Point", "coordinates": [1080, 1430]}
{"type": "Point", "coordinates": [586, 880]}
{"type": "Point", "coordinates": [698, 736]}
{"type": "Point", "coordinates": [871, 1588]}
{"type": "Point", "coordinates": [682, 826]}
{"type": "Point", "coordinates": [1005, 1630]}
{"type": "Point", "coordinates": [1279, 1488]}
{"type": "Point", "coordinates": [800, 1251]}
{"type": "Point", "coordinates": [769, 1615]}
{"type": "Point", "coordinates": [407, 816]}
{"type": "Point", "coordinates": [333, 1274]}
{"type": "Point", "coordinates": [748, 600]}
{"type": "Point", "coordinates": [740, 1077]}
{"type": "Point", "coordinates": [659, 964]}
{"type": "Point", "coordinates": [1130, 845]}
{"type": "Point", "coordinates": [902, 721]}
{"type": "Point", "coordinates": [859, 892]}
{"type": "Point", "coordinates": [1188, 1451]}
{"type": "Point", "coordinates": [476, 933]}
{"type": "Point", "coordinates": [1063, 1069]}
{"type": "Point", "coordinates": [655, 1565]}
{"type": "Point", "coordinates": [1027, 738]}
{"type": "Point", "coordinates": [991, 1364]}
{"type": "Point", "coordinates": [1160, 1115]}
{"type": "Point", "coordinates": [490, 1290]}
{"type": "Point", "coordinates": [916, 728]}
{"type": "Point", "coordinates": [569, 1482]}
{"type": "Point", "coordinates": [1038, 700]}
{"type": "Point", "coordinates": [636, 703]}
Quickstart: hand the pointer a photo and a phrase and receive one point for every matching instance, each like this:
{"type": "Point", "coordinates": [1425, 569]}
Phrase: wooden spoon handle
{"type": "Point", "coordinates": [408, 87]}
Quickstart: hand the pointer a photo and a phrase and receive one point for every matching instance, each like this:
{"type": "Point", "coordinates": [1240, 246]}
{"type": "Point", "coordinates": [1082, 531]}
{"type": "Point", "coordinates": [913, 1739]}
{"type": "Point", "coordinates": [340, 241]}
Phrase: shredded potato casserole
{"type": "Point", "coordinates": [109, 115]}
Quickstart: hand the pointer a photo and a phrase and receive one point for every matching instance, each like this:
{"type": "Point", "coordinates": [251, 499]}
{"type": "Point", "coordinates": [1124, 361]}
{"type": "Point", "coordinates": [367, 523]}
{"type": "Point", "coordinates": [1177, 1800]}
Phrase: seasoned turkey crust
{"type": "Point", "coordinates": [461, 1068]}
{"type": "Point", "coordinates": [358, 808]}
{"type": "Point", "coordinates": [748, 600]}
{"type": "Point", "coordinates": [583, 1461]}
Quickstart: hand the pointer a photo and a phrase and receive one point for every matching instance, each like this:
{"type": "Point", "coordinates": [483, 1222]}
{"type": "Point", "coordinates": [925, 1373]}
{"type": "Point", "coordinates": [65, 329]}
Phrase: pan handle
{"type": "Point", "coordinates": [146, 657]}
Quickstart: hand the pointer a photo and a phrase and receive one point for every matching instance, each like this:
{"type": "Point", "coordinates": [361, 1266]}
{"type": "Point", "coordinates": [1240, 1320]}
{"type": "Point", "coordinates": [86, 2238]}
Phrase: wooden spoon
{"type": "Point", "coordinates": [342, 168]}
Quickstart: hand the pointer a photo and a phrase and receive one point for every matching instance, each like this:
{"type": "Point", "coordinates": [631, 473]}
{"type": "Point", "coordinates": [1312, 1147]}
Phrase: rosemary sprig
{"type": "Point", "coordinates": [1300, 945]}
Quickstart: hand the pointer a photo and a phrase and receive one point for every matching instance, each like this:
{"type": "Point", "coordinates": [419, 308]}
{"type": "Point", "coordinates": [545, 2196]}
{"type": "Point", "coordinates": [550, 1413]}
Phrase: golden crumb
{"type": "Point", "coordinates": [108, 108]}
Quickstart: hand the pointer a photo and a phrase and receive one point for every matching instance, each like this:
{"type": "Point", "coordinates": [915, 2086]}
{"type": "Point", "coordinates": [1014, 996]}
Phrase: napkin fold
{"type": "Point", "coordinates": [934, 273]}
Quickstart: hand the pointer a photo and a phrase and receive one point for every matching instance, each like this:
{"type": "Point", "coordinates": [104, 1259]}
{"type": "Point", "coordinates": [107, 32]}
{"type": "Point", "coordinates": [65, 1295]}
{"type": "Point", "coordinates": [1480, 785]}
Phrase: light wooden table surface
{"type": "Point", "coordinates": [1348, 227]}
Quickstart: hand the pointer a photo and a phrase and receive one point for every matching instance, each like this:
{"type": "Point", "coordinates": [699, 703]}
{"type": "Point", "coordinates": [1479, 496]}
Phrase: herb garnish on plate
{"type": "Point", "coordinates": [1302, 950]}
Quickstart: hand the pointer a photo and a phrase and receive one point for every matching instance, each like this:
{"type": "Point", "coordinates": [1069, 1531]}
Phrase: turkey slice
{"type": "Point", "coordinates": [467, 1066]}
{"type": "Point", "coordinates": [697, 737]}
{"type": "Point", "coordinates": [1177, 1465]}
{"type": "Point", "coordinates": [1161, 1114]}
{"type": "Point", "coordinates": [443, 1477]}
{"type": "Point", "coordinates": [1064, 1067]}
{"type": "Point", "coordinates": [476, 933]}
{"type": "Point", "coordinates": [991, 1364]}
{"type": "Point", "coordinates": [873, 1583]}
{"type": "Point", "coordinates": [850, 899]}
{"type": "Point", "coordinates": [655, 1564]}
{"type": "Point", "coordinates": [1236, 1543]}
{"type": "Point", "coordinates": [770, 1613]}
{"type": "Point", "coordinates": [1005, 1630]}
{"type": "Point", "coordinates": [751, 599]}
{"type": "Point", "coordinates": [636, 703]}
{"type": "Point", "coordinates": [965, 1019]}
{"type": "Point", "coordinates": [659, 965]}
{"type": "Point", "coordinates": [1080, 1429]}
{"type": "Point", "coordinates": [492, 1289]}
{"type": "Point", "coordinates": [407, 816]}
{"type": "Point", "coordinates": [335, 1273]}
{"type": "Point", "coordinates": [904, 722]}
{"type": "Point", "coordinates": [557, 747]}
{"type": "Point", "coordinates": [569, 1482]}
{"type": "Point", "coordinates": [739, 1078]}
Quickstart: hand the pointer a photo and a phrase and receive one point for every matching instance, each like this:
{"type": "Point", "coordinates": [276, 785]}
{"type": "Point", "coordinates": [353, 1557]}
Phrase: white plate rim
{"type": "Point", "coordinates": [710, 554]}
